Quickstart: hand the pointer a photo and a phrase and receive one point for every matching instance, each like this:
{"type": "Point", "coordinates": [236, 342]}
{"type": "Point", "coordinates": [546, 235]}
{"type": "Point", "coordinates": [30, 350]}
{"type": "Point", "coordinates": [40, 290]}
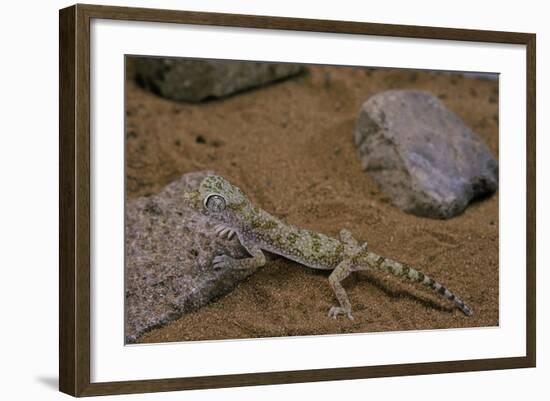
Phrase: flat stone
{"type": "Point", "coordinates": [169, 252]}
{"type": "Point", "coordinates": [192, 80]}
{"type": "Point", "coordinates": [422, 155]}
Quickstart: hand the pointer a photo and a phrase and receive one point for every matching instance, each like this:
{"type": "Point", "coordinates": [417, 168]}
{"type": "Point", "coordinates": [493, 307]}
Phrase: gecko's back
{"type": "Point", "coordinates": [304, 246]}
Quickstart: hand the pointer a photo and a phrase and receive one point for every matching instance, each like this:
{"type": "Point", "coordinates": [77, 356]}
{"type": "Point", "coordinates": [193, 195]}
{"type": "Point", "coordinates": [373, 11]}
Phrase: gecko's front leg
{"type": "Point", "coordinates": [256, 260]}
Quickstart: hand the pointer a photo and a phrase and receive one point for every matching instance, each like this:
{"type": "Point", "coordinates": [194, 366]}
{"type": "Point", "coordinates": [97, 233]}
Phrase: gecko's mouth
{"type": "Point", "coordinates": [224, 231]}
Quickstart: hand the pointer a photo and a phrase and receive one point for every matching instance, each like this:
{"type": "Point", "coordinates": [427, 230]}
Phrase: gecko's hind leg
{"type": "Point", "coordinates": [351, 246]}
{"type": "Point", "coordinates": [344, 268]}
{"type": "Point", "coordinates": [335, 280]}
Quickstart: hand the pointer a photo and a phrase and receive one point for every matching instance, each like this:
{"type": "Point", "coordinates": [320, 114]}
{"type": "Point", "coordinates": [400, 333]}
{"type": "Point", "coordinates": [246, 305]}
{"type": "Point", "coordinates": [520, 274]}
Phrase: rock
{"type": "Point", "coordinates": [169, 250]}
{"type": "Point", "coordinates": [197, 80]}
{"type": "Point", "coordinates": [422, 155]}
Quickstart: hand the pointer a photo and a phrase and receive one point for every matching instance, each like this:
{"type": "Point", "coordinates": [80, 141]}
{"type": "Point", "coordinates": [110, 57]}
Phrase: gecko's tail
{"type": "Point", "coordinates": [407, 272]}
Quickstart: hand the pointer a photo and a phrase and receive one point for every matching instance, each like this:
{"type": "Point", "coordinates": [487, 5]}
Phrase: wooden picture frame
{"type": "Point", "coordinates": [74, 203]}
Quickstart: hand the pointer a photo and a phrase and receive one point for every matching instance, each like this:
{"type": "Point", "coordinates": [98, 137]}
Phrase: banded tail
{"type": "Point", "coordinates": [406, 271]}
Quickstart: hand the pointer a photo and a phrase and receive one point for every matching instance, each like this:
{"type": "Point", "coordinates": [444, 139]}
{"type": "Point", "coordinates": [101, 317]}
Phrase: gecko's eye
{"type": "Point", "coordinates": [214, 203]}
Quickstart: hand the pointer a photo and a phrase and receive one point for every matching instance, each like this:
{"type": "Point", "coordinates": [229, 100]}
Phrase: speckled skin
{"type": "Point", "coordinates": [259, 231]}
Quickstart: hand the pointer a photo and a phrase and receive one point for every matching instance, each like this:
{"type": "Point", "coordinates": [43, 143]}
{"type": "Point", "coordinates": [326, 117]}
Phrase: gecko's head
{"type": "Point", "coordinates": [219, 199]}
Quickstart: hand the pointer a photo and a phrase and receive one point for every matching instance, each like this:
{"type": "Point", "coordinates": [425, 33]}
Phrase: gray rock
{"type": "Point", "coordinates": [197, 80]}
{"type": "Point", "coordinates": [422, 155]}
{"type": "Point", "coordinates": [169, 250]}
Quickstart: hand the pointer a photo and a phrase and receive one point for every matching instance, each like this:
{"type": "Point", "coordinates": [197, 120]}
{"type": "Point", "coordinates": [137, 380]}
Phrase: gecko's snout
{"type": "Point", "coordinates": [193, 199]}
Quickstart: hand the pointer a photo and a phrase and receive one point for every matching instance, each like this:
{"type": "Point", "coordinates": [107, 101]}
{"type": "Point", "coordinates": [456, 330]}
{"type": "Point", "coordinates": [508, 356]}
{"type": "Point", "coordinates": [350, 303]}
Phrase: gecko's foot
{"type": "Point", "coordinates": [223, 262]}
{"type": "Point", "coordinates": [347, 237]}
{"type": "Point", "coordinates": [351, 246]}
{"type": "Point", "coordinates": [224, 231]}
{"type": "Point", "coordinates": [337, 310]}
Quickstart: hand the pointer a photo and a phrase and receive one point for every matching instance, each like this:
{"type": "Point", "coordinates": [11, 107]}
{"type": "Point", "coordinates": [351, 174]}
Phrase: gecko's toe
{"type": "Point", "coordinates": [222, 231]}
{"type": "Point", "coordinates": [334, 312]}
{"type": "Point", "coordinates": [345, 233]}
{"type": "Point", "coordinates": [337, 310]}
{"type": "Point", "coordinates": [221, 261]}
{"type": "Point", "coordinates": [331, 313]}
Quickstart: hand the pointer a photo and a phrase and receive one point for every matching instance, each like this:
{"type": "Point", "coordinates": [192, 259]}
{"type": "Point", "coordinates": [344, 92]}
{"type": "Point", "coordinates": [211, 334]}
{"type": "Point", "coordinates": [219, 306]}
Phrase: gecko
{"type": "Point", "coordinates": [233, 214]}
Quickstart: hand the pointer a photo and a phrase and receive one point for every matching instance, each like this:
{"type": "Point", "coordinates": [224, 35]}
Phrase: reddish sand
{"type": "Point", "coordinates": [289, 146]}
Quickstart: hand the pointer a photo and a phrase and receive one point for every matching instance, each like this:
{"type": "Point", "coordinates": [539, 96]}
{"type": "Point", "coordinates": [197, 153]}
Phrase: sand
{"type": "Point", "coordinates": [289, 146]}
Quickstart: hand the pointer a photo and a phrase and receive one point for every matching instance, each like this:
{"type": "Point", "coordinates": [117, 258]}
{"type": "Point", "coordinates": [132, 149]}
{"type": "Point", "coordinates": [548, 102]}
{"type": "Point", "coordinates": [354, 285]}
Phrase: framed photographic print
{"type": "Point", "coordinates": [251, 200]}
